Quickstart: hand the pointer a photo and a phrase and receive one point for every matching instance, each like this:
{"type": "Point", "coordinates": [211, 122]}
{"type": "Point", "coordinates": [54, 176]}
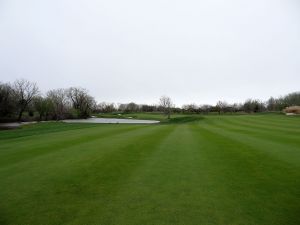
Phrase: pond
{"type": "Point", "coordinates": [111, 120]}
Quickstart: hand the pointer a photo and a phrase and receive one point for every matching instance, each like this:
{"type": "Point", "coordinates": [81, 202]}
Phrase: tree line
{"type": "Point", "coordinates": [249, 106]}
{"type": "Point", "coordinates": [24, 97]}
{"type": "Point", "coordinates": [166, 105]}
{"type": "Point", "coordinates": [22, 100]}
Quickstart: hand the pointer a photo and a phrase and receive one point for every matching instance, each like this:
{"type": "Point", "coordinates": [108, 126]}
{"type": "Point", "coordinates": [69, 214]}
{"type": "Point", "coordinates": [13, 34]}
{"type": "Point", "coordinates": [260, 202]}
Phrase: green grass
{"type": "Point", "coordinates": [143, 116]}
{"type": "Point", "coordinates": [193, 170]}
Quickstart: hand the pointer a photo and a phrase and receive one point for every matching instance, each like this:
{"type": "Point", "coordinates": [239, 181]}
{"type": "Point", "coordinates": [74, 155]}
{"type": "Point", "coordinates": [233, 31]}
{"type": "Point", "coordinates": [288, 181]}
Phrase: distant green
{"type": "Point", "coordinates": [191, 170]}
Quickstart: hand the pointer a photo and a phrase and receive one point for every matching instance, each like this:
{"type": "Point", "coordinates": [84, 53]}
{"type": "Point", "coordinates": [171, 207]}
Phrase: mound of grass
{"type": "Point", "coordinates": [184, 119]}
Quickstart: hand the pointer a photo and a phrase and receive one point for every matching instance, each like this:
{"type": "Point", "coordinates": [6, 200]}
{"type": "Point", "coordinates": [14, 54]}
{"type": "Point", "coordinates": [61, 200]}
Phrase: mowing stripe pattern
{"type": "Point", "coordinates": [215, 170]}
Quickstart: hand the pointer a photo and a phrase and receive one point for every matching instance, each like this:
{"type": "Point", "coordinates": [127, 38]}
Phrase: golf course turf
{"type": "Point", "coordinates": [235, 169]}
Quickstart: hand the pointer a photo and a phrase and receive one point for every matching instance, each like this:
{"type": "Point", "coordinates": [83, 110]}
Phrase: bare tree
{"type": "Point", "coordinates": [122, 107]}
{"type": "Point", "coordinates": [81, 101]}
{"type": "Point", "coordinates": [132, 107]}
{"type": "Point", "coordinates": [24, 92]}
{"type": "Point", "coordinates": [166, 104]}
{"type": "Point", "coordinates": [43, 106]}
{"type": "Point", "coordinates": [60, 102]}
{"type": "Point", "coordinates": [237, 107]}
{"type": "Point", "coordinates": [221, 106]}
{"type": "Point", "coordinates": [105, 107]}
{"type": "Point", "coordinates": [271, 104]}
{"type": "Point", "coordinates": [205, 108]}
{"type": "Point", "coordinates": [253, 106]}
{"type": "Point", "coordinates": [190, 108]}
{"type": "Point", "coordinates": [148, 108]}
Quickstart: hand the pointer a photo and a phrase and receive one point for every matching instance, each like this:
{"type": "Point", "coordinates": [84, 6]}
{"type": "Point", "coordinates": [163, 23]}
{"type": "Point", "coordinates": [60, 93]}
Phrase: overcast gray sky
{"type": "Point", "coordinates": [134, 50]}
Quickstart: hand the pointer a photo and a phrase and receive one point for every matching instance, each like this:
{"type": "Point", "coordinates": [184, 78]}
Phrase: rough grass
{"type": "Point", "coordinates": [210, 170]}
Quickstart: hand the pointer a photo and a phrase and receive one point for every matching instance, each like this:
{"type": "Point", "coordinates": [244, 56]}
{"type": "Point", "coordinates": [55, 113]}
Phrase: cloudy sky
{"type": "Point", "coordinates": [134, 50]}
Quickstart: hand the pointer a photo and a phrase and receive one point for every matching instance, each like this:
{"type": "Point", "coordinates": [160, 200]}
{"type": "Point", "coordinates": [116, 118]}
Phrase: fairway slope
{"type": "Point", "coordinates": [193, 170]}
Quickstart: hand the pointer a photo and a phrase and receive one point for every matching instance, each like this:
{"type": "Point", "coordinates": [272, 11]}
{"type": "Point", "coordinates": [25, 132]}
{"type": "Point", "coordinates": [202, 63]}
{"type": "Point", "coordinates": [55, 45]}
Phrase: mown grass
{"type": "Point", "coordinates": [142, 116]}
{"type": "Point", "coordinates": [193, 170]}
